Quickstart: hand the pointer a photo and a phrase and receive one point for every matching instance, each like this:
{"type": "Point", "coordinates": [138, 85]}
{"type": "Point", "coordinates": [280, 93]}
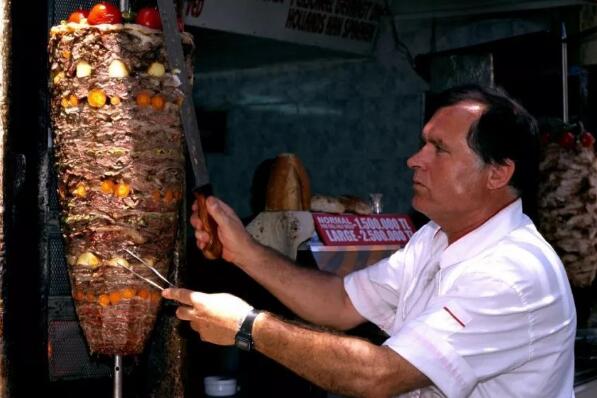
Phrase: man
{"type": "Point", "coordinates": [477, 303]}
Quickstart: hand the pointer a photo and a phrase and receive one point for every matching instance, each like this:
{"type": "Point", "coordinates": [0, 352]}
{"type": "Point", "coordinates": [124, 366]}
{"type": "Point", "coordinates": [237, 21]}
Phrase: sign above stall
{"type": "Point", "coordinates": [345, 25]}
{"type": "Point", "coordinates": [363, 230]}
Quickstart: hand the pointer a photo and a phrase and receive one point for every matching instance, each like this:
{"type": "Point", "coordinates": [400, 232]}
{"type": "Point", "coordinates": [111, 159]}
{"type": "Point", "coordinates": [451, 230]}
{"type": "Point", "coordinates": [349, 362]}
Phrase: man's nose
{"type": "Point", "coordinates": [416, 160]}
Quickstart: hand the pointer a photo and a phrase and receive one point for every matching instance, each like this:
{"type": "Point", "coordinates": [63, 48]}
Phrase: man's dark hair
{"type": "Point", "coordinates": [504, 131]}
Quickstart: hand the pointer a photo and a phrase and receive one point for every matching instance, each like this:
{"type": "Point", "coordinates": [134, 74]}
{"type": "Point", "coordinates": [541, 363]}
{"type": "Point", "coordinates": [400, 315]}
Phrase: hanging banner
{"type": "Point", "coordinates": [345, 25]}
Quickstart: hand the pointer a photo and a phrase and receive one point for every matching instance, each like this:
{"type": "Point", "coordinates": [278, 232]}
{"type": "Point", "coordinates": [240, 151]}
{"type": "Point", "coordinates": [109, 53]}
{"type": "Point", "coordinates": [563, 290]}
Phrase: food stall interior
{"type": "Point", "coordinates": [352, 118]}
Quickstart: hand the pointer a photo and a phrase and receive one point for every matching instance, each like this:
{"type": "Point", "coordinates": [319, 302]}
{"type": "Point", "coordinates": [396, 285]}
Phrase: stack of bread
{"type": "Point", "coordinates": [340, 204]}
{"type": "Point", "coordinates": [289, 188]}
{"type": "Point", "coordinates": [286, 223]}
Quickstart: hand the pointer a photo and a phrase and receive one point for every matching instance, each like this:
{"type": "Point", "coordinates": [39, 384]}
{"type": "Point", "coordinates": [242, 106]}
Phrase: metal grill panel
{"type": "Point", "coordinates": [68, 355]}
{"type": "Point", "coordinates": [53, 191]}
{"type": "Point", "coordinates": [59, 279]}
{"type": "Point", "coordinates": [61, 9]}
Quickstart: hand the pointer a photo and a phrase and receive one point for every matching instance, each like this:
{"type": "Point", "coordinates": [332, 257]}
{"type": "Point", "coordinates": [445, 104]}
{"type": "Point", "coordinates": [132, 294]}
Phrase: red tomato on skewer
{"type": "Point", "coordinates": [587, 140]}
{"type": "Point", "coordinates": [104, 13]}
{"type": "Point", "coordinates": [149, 17]}
{"type": "Point", "coordinates": [567, 140]}
{"type": "Point", "coordinates": [77, 15]}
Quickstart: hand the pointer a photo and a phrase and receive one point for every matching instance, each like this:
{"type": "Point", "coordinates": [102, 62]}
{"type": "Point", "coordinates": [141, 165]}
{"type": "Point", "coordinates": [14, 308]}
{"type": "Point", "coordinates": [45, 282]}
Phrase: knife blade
{"type": "Point", "coordinates": [201, 186]}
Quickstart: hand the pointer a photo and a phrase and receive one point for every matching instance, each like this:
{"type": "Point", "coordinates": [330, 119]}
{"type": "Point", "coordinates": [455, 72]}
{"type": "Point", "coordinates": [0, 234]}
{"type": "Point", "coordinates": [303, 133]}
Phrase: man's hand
{"type": "Point", "coordinates": [236, 241]}
{"type": "Point", "coordinates": [216, 317]}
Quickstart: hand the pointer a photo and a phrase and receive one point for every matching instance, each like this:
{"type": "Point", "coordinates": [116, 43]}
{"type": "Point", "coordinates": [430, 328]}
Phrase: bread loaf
{"type": "Point", "coordinates": [340, 204]}
{"type": "Point", "coordinates": [354, 204]}
{"type": "Point", "coordinates": [288, 187]}
{"type": "Point", "coordinates": [327, 204]}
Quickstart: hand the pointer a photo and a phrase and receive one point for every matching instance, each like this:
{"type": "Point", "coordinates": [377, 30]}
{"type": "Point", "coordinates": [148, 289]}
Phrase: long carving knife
{"type": "Point", "coordinates": [201, 187]}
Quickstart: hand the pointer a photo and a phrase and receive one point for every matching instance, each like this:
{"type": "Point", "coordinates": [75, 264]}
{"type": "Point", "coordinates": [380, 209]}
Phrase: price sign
{"type": "Point", "coordinates": [373, 229]}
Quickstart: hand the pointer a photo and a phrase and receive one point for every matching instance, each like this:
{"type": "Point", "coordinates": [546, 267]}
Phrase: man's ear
{"type": "Point", "coordinates": [500, 174]}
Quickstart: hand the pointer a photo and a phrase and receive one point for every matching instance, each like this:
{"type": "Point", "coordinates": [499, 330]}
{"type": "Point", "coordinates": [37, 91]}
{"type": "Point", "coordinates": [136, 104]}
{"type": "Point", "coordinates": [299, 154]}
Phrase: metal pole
{"type": "Point", "coordinates": [118, 376]}
{"type": "Point", "coordinates": [117, 393]}
{"type": "Point", "coordinates": [564, 73]}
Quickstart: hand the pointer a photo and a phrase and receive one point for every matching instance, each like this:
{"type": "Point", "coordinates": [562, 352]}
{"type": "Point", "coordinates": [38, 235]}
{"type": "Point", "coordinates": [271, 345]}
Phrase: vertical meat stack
{"type": "Point", "coordinates": [567, 205]}
{"type": "Point", "coordinates": [119, 156]}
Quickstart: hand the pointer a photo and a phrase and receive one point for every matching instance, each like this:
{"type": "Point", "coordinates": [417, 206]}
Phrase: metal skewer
{"type": "Point", "coordinates": [118, 376]}
{"type": "Point", "coordinates": [564, 36]}
{"type": "Point", "coordinates": [117, 386]}
{"type": "Point", "coordinates": [124, 5]}
{"type": "Point", "coordinates": [155, 271]}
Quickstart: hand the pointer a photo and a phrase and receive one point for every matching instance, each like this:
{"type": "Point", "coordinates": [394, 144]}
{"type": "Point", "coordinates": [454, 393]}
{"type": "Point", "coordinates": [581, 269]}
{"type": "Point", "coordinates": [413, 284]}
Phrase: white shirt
{"type": "Point", "coordinates": [490, 315]}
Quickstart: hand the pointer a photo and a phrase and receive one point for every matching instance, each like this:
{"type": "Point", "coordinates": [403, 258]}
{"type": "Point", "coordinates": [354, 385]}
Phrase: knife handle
{"type": "Point", "coordinates": [213, 249]}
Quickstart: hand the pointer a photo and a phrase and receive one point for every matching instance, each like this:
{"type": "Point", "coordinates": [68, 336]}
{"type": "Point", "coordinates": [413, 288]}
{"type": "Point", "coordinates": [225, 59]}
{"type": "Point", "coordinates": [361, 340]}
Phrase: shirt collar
{"type": "Point", "coordinates": [485, 236]}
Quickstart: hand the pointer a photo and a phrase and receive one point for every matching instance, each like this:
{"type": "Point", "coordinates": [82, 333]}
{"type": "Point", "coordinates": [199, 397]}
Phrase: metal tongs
{"type": "Point", "coordinates": [155, 271]}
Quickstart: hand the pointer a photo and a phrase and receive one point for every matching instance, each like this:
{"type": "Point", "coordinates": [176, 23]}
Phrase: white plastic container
{"type": "Point", "coordinates": [219, 386]}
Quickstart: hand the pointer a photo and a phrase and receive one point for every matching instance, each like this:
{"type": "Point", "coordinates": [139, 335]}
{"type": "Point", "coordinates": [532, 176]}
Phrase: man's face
{"type": "Point", "coordinates": [449, 179]}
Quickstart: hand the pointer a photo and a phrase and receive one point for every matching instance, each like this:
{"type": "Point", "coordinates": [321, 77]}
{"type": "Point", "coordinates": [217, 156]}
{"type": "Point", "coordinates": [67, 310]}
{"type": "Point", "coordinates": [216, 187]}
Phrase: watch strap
{"type": "Point", "coordinates": [244, 336]}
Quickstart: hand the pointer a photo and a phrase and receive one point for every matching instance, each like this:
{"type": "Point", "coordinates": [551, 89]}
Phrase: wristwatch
{"type": "Point", "coordinates": [244, 336]}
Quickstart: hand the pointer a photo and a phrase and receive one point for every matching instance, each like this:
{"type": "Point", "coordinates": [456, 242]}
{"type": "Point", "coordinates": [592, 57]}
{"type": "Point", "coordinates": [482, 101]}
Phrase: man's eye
{"type": "Point", "coordinates": [440, 149]}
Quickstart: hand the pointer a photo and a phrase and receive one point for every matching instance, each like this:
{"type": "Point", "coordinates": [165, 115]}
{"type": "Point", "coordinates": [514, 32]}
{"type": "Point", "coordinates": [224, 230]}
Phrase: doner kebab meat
{"type": "Point", "coordinates": [567, 203]}
{"type": "Point", "coordinates": [119, 158]}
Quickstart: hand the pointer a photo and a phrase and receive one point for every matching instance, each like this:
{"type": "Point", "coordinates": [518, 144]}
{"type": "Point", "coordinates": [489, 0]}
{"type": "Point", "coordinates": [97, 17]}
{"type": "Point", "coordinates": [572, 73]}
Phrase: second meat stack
{"type": "Point", "coordinates": [567, 205]}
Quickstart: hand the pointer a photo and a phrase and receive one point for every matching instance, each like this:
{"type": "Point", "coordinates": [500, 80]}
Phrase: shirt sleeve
{"type": "Point", "coordinates": [374, 290]}
{"type": "Point", "coordinates": [480, 328]}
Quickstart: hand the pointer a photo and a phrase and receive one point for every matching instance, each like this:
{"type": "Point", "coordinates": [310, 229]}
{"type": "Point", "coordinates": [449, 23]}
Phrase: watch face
{"type": "Point", "coordinates": [244, 338]}
{"type": "Point", "coordinates": [243, 342]}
